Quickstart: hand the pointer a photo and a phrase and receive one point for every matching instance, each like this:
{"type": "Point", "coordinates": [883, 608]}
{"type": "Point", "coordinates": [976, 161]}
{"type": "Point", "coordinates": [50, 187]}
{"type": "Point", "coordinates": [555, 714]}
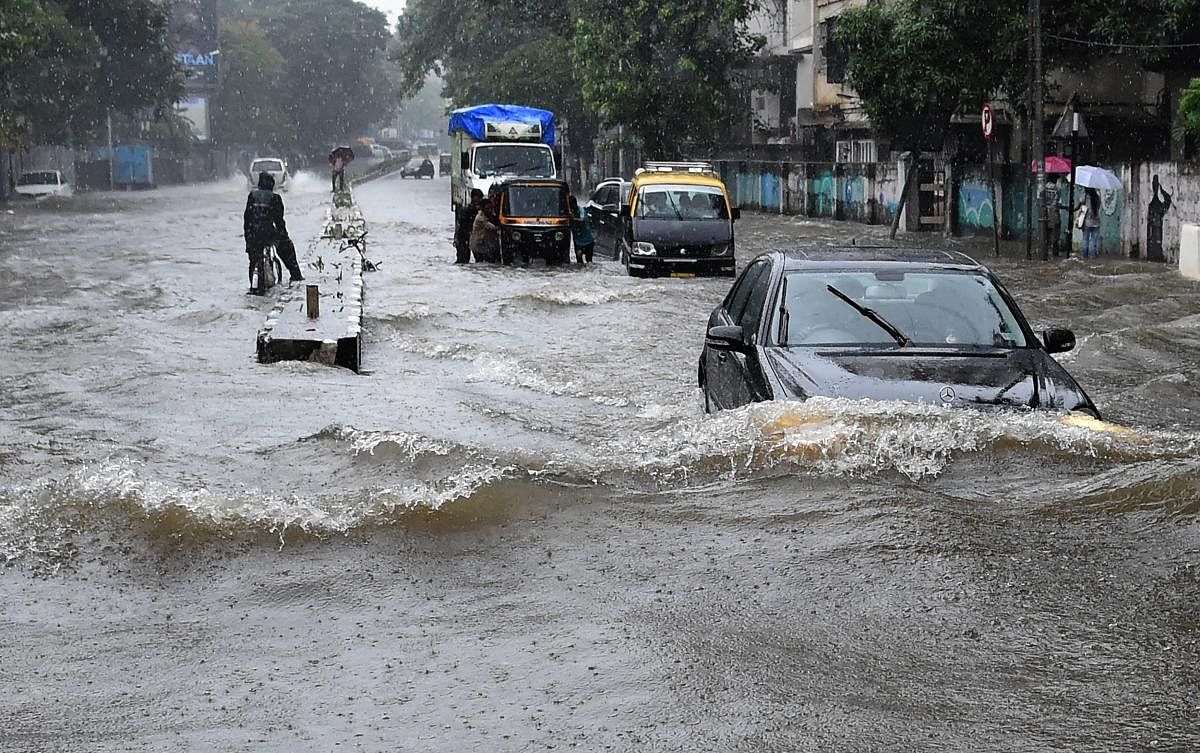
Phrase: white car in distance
{"type": "Point", "coordinates": [38, 184]}
{"type": "Point", "coordinates": [276, 167]}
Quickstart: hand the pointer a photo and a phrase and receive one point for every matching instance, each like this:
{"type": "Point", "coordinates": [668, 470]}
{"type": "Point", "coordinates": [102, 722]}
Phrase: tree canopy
{"type": "Point", "coordinates": [1189, 107]}
{"type": "Point", "coordinates": [331, 83]}
{"type": "Point", "coordinates": [66, 64]}
{"type": "Point", "coordinates": [638, 64]}
{"type": "Point", "coordinates": [914, 62]}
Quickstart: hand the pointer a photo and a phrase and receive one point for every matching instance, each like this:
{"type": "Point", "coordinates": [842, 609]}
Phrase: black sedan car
{"type": "Point", "coordinates": [887, 324]}
{"type": "Point", "coordinates": [417, 167]}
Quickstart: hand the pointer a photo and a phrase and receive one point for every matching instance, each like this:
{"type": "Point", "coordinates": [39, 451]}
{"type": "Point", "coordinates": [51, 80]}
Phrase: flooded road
{"type": "Point", "coordinates": [520, 532]}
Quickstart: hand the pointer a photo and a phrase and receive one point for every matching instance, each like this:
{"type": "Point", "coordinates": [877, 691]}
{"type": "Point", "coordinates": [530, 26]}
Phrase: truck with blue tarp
{"type": "Point", "coordinates": [491, 142]}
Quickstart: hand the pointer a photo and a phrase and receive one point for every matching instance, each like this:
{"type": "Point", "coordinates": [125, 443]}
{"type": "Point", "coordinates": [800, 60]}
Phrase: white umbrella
{"type": "Point", "coordinates": [1090, 176]}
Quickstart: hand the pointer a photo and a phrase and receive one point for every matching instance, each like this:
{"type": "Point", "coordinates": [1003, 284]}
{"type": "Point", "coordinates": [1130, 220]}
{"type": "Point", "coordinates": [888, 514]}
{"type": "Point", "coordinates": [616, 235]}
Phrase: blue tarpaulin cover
{"type": "Point", "coordinates": [471, 119]}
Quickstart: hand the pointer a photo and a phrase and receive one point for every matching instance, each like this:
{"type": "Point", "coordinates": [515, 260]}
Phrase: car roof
{"type": "Point", "coordinates": [874, 256]}
{"type": "Point", "coordinates": [657, 178]}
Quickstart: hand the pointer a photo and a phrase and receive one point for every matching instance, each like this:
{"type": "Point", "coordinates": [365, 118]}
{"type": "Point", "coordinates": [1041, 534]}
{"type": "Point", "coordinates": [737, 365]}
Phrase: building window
{"type": "Point", "coordinates": [832, 53]}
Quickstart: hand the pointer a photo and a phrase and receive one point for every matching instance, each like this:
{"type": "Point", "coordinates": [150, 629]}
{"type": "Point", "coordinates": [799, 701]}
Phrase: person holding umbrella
{"type": "Point", "coordinates": [339, 157]}
{"type": "Point", "coordinates": [1088, 218]}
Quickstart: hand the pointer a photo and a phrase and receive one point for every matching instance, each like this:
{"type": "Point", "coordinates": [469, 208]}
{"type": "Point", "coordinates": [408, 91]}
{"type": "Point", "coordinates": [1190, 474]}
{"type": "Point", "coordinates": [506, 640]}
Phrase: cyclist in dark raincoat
{"type": "Point", "coordinates": [263, 224]}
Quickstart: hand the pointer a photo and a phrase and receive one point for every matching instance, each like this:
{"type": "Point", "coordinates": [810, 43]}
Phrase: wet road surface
{"type": "Point", "coordinates": [519, 532]}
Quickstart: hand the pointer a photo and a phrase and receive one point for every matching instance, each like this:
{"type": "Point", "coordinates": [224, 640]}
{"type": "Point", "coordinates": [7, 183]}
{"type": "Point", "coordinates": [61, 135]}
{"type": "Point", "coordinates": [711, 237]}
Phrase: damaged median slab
{"type": "Point", "coordinates": [321, 319]}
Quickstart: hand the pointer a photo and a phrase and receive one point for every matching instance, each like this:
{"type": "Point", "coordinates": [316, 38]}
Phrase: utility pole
{"type": "Point", "coordinates": [111, 171]}
{"type": "Point", "coordinates": [1039, 142]}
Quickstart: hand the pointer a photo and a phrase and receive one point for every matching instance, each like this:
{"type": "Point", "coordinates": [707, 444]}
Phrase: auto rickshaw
{"type": "Point", "coordinates": [534, 218]}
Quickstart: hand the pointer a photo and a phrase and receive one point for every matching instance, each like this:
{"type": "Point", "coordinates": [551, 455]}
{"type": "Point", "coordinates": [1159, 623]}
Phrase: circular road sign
{"type": "Point", "coordinates": [985, 119]}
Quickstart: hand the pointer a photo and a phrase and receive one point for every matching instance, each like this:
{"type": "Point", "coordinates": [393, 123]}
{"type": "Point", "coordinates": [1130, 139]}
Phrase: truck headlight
{"type": "Point", "coordinates": [515, 235]}
{"type": "Point", "coordinates": [641, 248]}
{"type": "Point", "coordinates": [559, 236]}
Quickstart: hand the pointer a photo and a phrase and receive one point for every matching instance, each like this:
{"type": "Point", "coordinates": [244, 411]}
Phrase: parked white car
{"type": "Point", "coordinates": [41, 183]}
{"type": "Point", "coordinates": [276, 167]}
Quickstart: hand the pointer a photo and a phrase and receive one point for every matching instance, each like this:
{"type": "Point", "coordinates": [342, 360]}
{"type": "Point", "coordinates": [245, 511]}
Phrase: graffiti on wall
{"type": "Point", "coordinates": [1156, 212]}
{"type": "Point", "coordinates": [975, 209]}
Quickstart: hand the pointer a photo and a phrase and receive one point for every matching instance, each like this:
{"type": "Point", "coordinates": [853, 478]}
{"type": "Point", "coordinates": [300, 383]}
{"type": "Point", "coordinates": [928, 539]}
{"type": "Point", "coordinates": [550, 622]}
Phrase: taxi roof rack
{"type": "Point", "coordinates": [703, 168]}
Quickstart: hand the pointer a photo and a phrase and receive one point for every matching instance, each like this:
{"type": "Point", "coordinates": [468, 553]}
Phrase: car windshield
{"type": "Point", "coordinates": [536, 201]}
{"type": "Point", "coordinates": [512, 159]}
{"type": "Point", "coordinates": [269, 165]}
{"type": "Point", "coordinates": [38, 179]}
{"type": "Point", "coordinates": [928, 308]}
{"type": "Point", "coordinates": [682, 203]}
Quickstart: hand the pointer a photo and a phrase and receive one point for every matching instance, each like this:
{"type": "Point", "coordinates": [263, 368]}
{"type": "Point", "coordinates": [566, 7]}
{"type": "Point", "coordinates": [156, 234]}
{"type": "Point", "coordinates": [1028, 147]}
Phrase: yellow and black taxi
{"type": "Point", "coordinates": [678, 222]}
{"type": "Point", "coordinates": [534, 219]}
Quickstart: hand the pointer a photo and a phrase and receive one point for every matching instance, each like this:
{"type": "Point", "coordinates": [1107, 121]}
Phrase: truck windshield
{"type": "Point", "coordinates": [514, 159]}
{"type": "Point", "coordinates": [536, 201]}
{"type": "Point", "coordinates": [682, 203]}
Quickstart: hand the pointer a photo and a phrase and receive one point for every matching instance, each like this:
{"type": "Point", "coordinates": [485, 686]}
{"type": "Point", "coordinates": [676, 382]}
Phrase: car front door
{"type": "Point", "coordinates": [731, 372]}
{"type": "Point", "coordinates": [602, 219]}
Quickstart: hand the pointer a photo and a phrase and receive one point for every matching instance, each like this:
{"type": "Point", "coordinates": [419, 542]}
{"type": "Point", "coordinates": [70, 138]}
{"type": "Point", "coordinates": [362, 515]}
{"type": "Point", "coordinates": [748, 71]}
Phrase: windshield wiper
{"type": "Point", "coordinates": [785, 318]}
{"type": "Point", "coordinates": [674, 206]}
{"type": "Point", "coordinates": [900, 338]}
{"type": "Point", "coordinates": [505, 166]}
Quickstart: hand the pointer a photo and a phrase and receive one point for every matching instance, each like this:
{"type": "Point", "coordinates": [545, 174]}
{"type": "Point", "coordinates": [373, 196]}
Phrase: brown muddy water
{"type": "Point", "coordinates": [520, 532]}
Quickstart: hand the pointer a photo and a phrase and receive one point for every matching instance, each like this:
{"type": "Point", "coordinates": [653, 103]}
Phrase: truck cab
{"type": "Point", "coordinates": [494, 142]}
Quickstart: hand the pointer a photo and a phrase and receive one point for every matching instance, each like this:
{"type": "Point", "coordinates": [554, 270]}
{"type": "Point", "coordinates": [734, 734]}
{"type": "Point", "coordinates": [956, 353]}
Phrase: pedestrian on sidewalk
{"type": "Point", "coordinates": [1088, 218]}
{"type": "Point", "coordinates": [1050, 206]}
{"type": "Point", "coordinates": [581, 232]}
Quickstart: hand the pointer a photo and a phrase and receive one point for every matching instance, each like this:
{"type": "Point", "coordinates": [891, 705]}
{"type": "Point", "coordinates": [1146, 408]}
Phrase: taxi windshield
{"type": "Point", "coordinates": [682, 203]}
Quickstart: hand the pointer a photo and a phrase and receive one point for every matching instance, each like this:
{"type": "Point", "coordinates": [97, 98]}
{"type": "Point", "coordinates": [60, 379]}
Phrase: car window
{"type": "Point", "coordinates": [603, 195]}
{"type": "Point", "coordinates": [753, 313]}
{"type": "Point", "coordinates": [740, 294]}
{"type": "Point", "coordinates": [936, 308]}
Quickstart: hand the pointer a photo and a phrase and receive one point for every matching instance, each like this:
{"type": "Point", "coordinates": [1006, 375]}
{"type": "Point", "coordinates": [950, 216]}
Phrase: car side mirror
{"type": "Point", "coordinates": [1058, 340]}
{"type": "Point", "coordinates": [736, 214]}
{"type": "Point", "coordinates": [726, 336]}
{"type": "Point", "coordinates": [626, 210]}
{"type": "Point", "coordinates": [465, 161]}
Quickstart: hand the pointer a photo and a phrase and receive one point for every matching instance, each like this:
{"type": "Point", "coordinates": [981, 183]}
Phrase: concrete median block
{"type": "Point", "coordinates": [1189, 251]}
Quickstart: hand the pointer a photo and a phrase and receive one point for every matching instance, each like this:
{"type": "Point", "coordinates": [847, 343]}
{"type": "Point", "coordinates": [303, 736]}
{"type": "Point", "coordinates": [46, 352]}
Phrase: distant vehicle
{"type": "Point", "coordinates": [417, 167]}
{"type": "Point", "coordinates": [678, 222]}
{"type": "Point", "coordinates": [38, 184]}
{"type": "Point", "coordinates": [444, 164]}
{"type": "Point", "coordinates": [886, 324]}
{"type": "Point", "coordinates": [604, 210]}
{"type": "Point", "coordinates": [491, 142]}
{"type": "Point", "coordinates": [273, 165]}
{"type": "Point", "coordinates": [534, 219]}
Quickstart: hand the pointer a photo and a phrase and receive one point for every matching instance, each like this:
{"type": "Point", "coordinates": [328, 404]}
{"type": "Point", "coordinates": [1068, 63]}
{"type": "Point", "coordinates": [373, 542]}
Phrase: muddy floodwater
{"type": "Point", "coordinates": [520, 532]}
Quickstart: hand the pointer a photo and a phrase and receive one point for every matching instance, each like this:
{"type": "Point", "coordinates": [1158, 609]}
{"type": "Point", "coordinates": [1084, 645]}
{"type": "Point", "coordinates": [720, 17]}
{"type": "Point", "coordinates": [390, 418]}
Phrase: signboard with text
{"type": "Point", "coordinates": [985, 120]}
{"type": "Point", "coordinates": [194, 26]}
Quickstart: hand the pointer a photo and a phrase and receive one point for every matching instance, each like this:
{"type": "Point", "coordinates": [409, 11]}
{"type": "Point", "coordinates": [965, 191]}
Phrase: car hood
{"type": "Point", "coordinates": [681, 233]}
{"type": "Point", "coordinates": [1022, 378]}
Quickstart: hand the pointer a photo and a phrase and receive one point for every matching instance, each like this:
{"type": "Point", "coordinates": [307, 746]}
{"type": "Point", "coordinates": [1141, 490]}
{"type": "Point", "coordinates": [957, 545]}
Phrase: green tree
{"type": "Point", "coordinates": [334, 85]}
{"type": "Point", "coordinates": [133, 60]}
{"type": "Point", "coordinates": [666, 70]}
{"type": "Point", "coordinates": [66, 64]}
{"type": "Point", "coordinates": [248, 109]}
{"type": "Point", "coordinates": [913, 63]}
{"type": "Point", "coordinates": [1189, 107]}
{"type": "Point", "coordinates": [517, 52]}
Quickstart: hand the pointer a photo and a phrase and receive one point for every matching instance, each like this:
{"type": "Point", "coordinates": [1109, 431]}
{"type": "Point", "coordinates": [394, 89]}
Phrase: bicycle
{"type": "Point", "coordinates": [267, 272]}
